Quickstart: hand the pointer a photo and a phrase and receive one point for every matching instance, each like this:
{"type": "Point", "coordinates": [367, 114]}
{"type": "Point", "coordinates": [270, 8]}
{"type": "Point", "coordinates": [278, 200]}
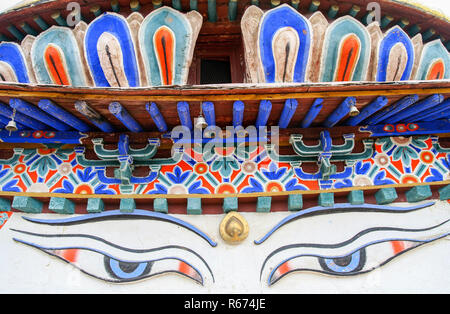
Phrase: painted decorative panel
{"type": "Point", "coordinates": [346, 51]}
{"type": "Point", "coordinates": [175, 253]}
{"type": "Point", "coordinates": [167, 38]}
{"type": "Point", "coordinates": [284, 45]}
{"type": "Point", "coordinates": [111, 52]}
{"type": "Point", "coordinates": [393, 160]}
{"type": "Point", "coordinates": [56, 58]}
{"type": "Point", "coordinates": [13, 66]}
{"type": "Point", "coordinates": [281, 45]}
{"type": "Point", "coordinates": [435, 63]}
{"type": "Point", "coordinates": [342, 49]}
{"type": "Point", "coordinates": [395, 56]}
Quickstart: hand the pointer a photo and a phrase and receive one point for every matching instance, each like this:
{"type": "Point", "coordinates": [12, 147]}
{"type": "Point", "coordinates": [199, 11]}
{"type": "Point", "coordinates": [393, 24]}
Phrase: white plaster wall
{"type": "Point", "coordinates": [235, 267]}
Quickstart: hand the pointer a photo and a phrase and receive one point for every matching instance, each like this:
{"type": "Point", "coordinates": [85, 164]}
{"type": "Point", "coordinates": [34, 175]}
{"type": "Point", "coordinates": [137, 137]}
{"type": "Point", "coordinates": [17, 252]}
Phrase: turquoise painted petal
{"type": "Point", "coordinates": [182, 29]}
{"type": "Point", "coordinates": [431, 52]}
{"type": "Point", "coordinates": [333, 37]}
{"type": "Point", "coordinates": [63, 38]}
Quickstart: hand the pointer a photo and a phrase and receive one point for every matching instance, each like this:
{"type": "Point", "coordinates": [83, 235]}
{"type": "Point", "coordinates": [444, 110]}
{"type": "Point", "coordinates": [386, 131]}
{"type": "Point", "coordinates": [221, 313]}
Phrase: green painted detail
{"type": "Point", "coordinates": [124, 172]}
{"type": "Point", "coordinates": [4, 38]}
{"type": "Point", "coordinates": [325, 166]}
{"type": "Point", "coordinates": [212, 11]}
{"type": "Point", "coordinates": [428, 34]}
{"type": "Point", "coordinates": [27, 204]}
{"type": "Point", "coordinates": [418, 193]}
{"type": "Point", "coordinates": [28, 29]}
{"type": "Point", "coordinates": [295, 3]}
{"type": "Point", "coordinates": [95, 205]}
{"type": "Point", "coordinates": [311, 153]}
{"type": "Point", "coordinates": [176, 4]}
{"type": "Point", "coordinates": [13, 30]}
{"type": "Point", "coordinates": [326, 199]}
{"type": "Point", "coordinates": [160, 205]}
{"type": "Point", "coordinates": [333, 11]}
{"type": "Point", "coordinates": [230, 204]}
{"type": "Point", "coordinates": [41, 22]}
{"type": "Point", "coordinates": [145, 153]}
{"type": "Point", "coordinates": [115, 6]}
{"type": "Point", "coordinates": [414, 30]}
{"type": "Point", "coordinates": [444, 193]}
{"type": "Point", "coordinates": [61, 205]}
{"type": "Point", "coordinates": [314, 6]}
{"type": "Point", "coordinates": [386, 20]}
{"type": "Point", "coordinates": [127, 205]}
{"type": "Point", "coordinates": [356, 197]}
{"type": "Point", "coordinates": [263, 204]}
{"type": "Point", "coordinates": [194, 206]}
{"type": "Point", "coordinates": [141, 160]}
{"type": "Point", "coordinates": [59, 19]}
{"type": "Point", "coordinates": [135, 6]}
{"type": "Point", "coordinates": [232, 10]}
{"type": "Point", "coordinates": [314, 150]}
{"type": "Point", "coordinates": [193, 5]}
{"type": "Point", "coordinates": [96, 10]}
{"type": "Point", "coordinates": [5, 205]}
{"type": "Point", "coordinates": [386, 196]}
{"type": "Point", "coordinates": [295, 202]}
{"type": "Point", "coordinates": [354, 10]}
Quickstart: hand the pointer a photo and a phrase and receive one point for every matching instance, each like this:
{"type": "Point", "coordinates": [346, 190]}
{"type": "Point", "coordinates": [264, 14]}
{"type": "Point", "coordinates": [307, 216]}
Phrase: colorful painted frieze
{"type": "Point", "coordinates": [222, 170]}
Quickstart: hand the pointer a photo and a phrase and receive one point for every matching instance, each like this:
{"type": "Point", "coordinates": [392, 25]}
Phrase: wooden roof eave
{"type": "Point", "coordinates": [228, 91]}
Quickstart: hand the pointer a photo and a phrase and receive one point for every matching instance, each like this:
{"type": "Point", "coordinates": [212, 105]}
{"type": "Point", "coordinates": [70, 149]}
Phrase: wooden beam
{"type": "Point", "coordinates": [224, 92]}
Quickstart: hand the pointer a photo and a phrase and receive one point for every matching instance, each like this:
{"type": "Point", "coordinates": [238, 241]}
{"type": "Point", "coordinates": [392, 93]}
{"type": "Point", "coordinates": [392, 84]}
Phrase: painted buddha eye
{"type": "Point", "coordinates": [365, 251]}
{"type": "Point", "coordinates": [101, 265]}
{"type": "Point", "coordinates": [108, 261]}
{"type": "Point", "coordinates": [359, 261]}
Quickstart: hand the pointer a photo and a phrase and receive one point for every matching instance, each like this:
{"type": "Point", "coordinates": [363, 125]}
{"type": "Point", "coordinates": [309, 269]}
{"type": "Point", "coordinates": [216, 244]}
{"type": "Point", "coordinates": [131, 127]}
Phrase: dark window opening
{"type": "Point", "coordinates": [215, 71]}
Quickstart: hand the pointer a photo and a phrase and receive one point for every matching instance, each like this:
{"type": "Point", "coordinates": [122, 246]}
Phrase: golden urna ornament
{"type": "Point", "coordinates": [234, 228]}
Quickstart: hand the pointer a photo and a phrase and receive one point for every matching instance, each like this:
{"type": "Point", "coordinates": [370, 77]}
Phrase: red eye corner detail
{"type": "Point", "coordinates": [186, 269]}
{"type": "Point", "coordinates": [283, 269]}
{"type": "Point", "coordinates": [398, 246]}
{"type": "Point", "coordinates": [69, 255]}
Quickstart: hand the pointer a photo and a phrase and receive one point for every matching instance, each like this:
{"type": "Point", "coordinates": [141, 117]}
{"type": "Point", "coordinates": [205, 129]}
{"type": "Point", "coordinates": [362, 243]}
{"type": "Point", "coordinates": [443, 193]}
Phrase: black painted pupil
{"type": "Point", "coordinates": [128, 267]}
{"type": "Point", "coordinates": [343, 261]}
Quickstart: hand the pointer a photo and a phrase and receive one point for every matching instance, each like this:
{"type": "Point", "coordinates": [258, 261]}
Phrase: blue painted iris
{"type": "Point", "coordinates": [344, 265]}
{"type": "Point", "coordinates": [126, 270]}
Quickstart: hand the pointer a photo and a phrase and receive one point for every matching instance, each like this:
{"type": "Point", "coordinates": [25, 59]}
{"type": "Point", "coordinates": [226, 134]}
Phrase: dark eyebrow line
{"type": "Point", "coordinates": [341, 208]}
{"type": "Point", "coordinates": [117, 214]}
{"type": "Point", "coordinates": [344, 243]}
